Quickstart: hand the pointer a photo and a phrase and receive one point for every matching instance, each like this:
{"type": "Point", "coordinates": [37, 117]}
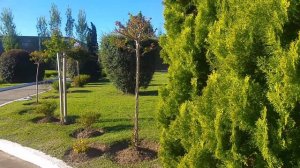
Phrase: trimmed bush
{"type": "Point", "coordinates": [119, 61]}
{"type": "Point", "coordinates": [46, 108]}
{"type": "Point", "coordinates": [81, 80]}
{"type": "Point", "coordinates": [55, 85]}
{"type": "Point", "coordinates": [51, 73]}
{"type": "Point", "coordinates": [80, 146]}
{"type": "Point", "coordinates": [16, 67]}
{"type": "Point", "coordinates": [87, 120]}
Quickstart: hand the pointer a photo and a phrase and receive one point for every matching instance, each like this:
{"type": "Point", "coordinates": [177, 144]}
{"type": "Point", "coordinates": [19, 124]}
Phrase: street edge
{"type": "Point", "coordinates": [31, 155]}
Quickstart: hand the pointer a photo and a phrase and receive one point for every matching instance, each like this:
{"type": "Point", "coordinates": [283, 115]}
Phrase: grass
{"type": "Point", "coordinates": [4, 85]}
{"type": "Point", "coordinates": [116, 111]}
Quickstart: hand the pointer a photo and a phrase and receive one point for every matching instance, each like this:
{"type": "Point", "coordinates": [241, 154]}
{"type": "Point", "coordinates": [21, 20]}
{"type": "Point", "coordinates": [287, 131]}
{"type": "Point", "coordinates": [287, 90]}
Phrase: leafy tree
{"type": "Point", "coordinates": [38, 57]}
{"type": "Point", "coordinates": [55, 20]}
{"type": "Point", "coordinates": [81, 26]}
{"type": "Point", "coordinates": [42, 30]}
{"type": "Point", "coordinates": [233, 94]}
{"type": "Point", "coordinates": [70, 23]}
{"type": "Point", "coordinates": [8, 30]}
{"type": "Point", "coordinates": [138, 28]}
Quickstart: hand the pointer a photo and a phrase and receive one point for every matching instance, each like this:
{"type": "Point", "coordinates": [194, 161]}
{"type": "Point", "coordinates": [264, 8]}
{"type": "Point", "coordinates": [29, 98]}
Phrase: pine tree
{"type": "Point", "coordinates": [8, 30]}
{"type": "Point", "coordinates": [81, 26]}
{"type": "Point", "coordinates": [55, 20]}
{"type": "Point", "coordinates": [42, 30]}
{"type": "Point", "coordinates": [233, 94]}
{"type": "Point", "coordinates": [70, 23]}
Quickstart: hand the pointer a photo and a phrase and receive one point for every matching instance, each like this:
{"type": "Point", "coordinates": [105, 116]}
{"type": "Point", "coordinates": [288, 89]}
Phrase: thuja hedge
{"type": "Point", "coordinates": [119, 61]}
{"type": "Point", "coordinates": [16, 67]}
{"type": "Point", "coordinates": [234, 84]}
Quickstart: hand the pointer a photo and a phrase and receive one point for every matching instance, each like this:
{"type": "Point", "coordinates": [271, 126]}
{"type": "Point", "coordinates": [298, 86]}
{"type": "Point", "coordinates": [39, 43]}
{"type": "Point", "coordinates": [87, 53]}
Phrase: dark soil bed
{"type": "Point", "coordinates": [40, 120]}
{"type": "Point", "coordinates": [125, 154]}
{"type": "Point", "coordinates": [86, 133]}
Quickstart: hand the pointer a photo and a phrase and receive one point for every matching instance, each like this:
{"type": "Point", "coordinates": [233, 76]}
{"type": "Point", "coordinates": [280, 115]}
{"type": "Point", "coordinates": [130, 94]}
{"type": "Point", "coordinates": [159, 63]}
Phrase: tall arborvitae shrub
{"type": "Point", "coordinates": [119, 62]}
{"type": "Point", "coordinates": [234, 84]}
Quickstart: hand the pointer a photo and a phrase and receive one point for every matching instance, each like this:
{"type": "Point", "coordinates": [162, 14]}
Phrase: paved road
{"type": "Point", "coordinates": [11, 95]}
{"type": "Point", "coordinates": [8, 161]}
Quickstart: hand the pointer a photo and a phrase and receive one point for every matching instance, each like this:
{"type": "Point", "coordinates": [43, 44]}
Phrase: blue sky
{"type": "Point", "coordinates": [103, 13]}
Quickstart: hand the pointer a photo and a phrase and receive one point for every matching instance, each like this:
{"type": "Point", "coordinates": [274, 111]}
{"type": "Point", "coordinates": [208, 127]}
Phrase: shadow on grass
{"type": "Point", "coordinates": [51, 97]}
{"type": "Point", "coordinates": [156, 84]}
{"type": "Point", "coordinates": [29, 103]}
{"type": "Point", "coordinates": [26, 110]}
{"type": "Point", "coordinates": [117, 128]}
{"type": "Point", "coordinates": [149, 93]}
{"type": "Point", "coordinates": [81, 91]}
{"type": "Point", "coordinates": [125, 119]}
{"type": "Point", "coordinates": [72, 119]}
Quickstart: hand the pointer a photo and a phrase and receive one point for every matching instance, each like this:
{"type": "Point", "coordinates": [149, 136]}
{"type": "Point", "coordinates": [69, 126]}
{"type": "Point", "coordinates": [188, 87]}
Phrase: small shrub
{"type": "Point", "coordinates": [50, 74]}
{"type": "Point", "coordinates": [81, 80]}
{"type": "Point", "coordinates": [87, 120]}
{"type": "Point", "coordinates": [55, 85]}
{"type": "Point", "coordinates": [80, 146]}
{"type": "Point", "coordinates": [46, 108]}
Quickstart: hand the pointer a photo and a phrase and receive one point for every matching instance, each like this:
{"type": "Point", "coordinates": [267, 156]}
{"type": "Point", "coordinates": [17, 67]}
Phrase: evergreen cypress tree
{"type": "Point", "coordinates": [233, 94]}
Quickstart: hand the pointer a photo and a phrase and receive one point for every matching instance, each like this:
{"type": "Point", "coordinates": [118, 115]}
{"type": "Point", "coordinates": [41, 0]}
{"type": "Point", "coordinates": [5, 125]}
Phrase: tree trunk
{"type": "Point", "coordinates": [60, 89]}
{"type": "Point", "coordinates": [64, 89]}
{"type": "Point", "coordinates": [137, 79]}
{"type": "Point", "coordinates": [37, 82]}
{"type": "Point", "coordinates": [77, 66]}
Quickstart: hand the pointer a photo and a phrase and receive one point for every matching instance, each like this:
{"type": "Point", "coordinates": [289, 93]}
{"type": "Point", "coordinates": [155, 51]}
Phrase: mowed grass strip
{"type": "Point", "coordinates": [116, 110]}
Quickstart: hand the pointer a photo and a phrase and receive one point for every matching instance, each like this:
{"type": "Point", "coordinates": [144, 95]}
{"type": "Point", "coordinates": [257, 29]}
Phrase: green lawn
{"type": "Point", "coordinates": [116, 111]}
{"type": "Point", "coordinates": [4, 85]}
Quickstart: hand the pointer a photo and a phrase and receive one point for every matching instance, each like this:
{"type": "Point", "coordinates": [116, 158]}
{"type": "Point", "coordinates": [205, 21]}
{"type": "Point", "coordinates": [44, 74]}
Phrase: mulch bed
{"type": "Point", "coordinates": [125, 154]}
{"type": "Point", "coordinates": [87, 133]}
{"type": "Point", "coordinates": [41, 120]}
{"type": "Point", "coordinates": [120, 152]}
{"type": "Point", "coordinates": [94, 150]}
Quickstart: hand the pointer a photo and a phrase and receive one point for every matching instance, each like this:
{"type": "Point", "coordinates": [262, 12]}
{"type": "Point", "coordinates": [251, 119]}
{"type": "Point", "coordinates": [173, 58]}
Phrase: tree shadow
{"type": "Point", "coordinates": [156, 84]}
{"type": "Point", "coordinates": [81, 91]}
{"type": "Point", "coordinates": [125, 119]}
{"type": "Point", "coordinates": [72, 119]}
{"type": "Point", "coordinates": [117, 128]}
{"type": "Point", "coordinates": [26, 110]}
{"type": "Point", "coordinates": [149, 93]}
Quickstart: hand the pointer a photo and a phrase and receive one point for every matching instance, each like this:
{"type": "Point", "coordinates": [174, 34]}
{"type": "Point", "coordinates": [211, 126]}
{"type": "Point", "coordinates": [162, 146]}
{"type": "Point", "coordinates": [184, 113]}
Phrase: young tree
{"type": "Point", "coordinates": [233, 94]}
{"type": "Point", "coordinates": [81, 26]}
{"type": "Point", "coordinates": [70, 23]}
{"type": "Point", "coordinates": [59, 46]}
{"type": "Point", "coordinates": [42, 30]}
{"type": "Point", "coordinates": [38, 57]}
{"type": "Point", "coordinates": [55, 20]}
{"type": "Point", "coordinates": [138, 28]}
{"type": "Point", "coordinates": [8, 30]}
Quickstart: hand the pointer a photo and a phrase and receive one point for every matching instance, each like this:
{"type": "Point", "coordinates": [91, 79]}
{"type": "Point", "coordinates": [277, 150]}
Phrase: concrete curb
{"type": "Point", "coordinates": [31, 155]}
